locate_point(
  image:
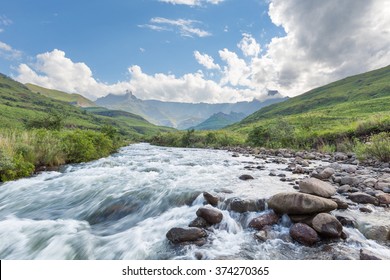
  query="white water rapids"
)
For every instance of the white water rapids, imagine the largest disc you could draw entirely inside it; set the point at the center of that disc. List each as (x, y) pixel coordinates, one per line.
(122, 206)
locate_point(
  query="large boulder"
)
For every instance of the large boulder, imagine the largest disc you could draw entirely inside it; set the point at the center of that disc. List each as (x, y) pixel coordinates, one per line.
(316, 187)
(327, 225)
(324, 174)
(304, 234)
(248, 205)
(179, 235)
(360, 197)
(377, 232)
(300, 203)
(211, 215)
(267, 219)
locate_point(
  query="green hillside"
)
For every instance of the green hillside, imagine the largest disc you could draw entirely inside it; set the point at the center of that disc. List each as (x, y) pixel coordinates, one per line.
(19, 107)
(356, 106)
(219, 120)
(72, 98)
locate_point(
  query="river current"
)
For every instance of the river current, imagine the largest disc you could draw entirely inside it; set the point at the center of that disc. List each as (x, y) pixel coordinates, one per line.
(121, 207)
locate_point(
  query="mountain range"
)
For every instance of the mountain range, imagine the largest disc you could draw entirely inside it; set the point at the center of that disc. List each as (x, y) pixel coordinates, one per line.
(182, 115)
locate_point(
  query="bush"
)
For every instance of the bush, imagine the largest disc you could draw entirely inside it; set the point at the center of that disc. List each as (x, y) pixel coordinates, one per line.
(379, 147)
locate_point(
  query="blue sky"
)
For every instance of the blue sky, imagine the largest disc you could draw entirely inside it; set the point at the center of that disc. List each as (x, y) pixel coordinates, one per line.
(191, 50)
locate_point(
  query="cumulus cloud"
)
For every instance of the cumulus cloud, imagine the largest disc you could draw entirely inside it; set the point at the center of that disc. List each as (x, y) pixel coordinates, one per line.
(9, 53)
(249, 46)
(185, 27)
(206, 60)
(192, 2)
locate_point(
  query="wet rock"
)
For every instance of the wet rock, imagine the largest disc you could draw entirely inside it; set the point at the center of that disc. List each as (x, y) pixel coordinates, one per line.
(235, 155)
(267, 219)
(179, 235)
(382, 185)
(341, 205)
(211, 199)
(363, 198)
(248, 205)
(199, 222)
(344, 235)
(317, 187)
(327, 225)
(365, 210)
(344, 189)
(223, 190)
(211, 215)
(305, 219)
(368, 255)
(262, 235)
(386, 190)
(384, 198)
(246, 177)
(376, 232)
(347, 222)
(340, 156)
(303, 234)
(300, 203)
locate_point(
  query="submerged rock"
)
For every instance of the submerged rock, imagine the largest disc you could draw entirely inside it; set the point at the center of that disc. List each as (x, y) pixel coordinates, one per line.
(246, 177)
(179, 235)
(300, 203)
(304, 234)
(327, 225)
(199, 222)
(317, 187)
(267, 219)
(211, 215)
(368, 255)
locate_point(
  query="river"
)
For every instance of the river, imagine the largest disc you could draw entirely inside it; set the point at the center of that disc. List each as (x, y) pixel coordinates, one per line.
(121, 207)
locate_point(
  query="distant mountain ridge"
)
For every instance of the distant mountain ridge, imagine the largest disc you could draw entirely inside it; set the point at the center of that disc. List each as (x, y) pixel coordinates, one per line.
(220, 120)
(181, 115)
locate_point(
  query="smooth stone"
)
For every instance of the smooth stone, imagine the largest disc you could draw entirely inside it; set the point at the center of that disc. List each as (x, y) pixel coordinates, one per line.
(246, 177)
(305, 219)
(303, 234)
(368, 255)
(341, 205)
(347, 222)
(350, 180)
(363, 198)
(248, 205)
(384, 198)
(300, 203)
(317, 187)
(211, 215)
(267, 219)
(211, 199)
(365, 210)
(327, 225)
(179, 235)
(381, 233)
(344, 189)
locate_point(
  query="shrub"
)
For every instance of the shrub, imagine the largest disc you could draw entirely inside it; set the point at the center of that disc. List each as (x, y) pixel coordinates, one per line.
(379, 147)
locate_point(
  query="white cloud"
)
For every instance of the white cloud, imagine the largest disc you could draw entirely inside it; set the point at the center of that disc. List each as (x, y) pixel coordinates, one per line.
(192, 2)
(185, 26)
(206, 60)
(249, 46)
(5, 21)
(236, 72)
(9, 53)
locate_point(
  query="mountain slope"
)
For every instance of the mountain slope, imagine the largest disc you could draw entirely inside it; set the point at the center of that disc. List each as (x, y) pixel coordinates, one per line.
(220, 120)
(72, 98)
(352, 107)
(19, 106)
(177, 114)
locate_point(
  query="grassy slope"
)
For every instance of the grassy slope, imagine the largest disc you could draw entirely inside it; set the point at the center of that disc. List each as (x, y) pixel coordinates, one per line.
(18, 105)
(75, 98)
(339, 108)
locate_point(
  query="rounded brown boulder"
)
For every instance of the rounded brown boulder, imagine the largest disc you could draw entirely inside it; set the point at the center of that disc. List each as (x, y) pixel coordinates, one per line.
(300, 203)
(211, 199)
(327, 225)
(304, 234)
(211, 215)
(317, 187)
(179, 235)
(264, 220)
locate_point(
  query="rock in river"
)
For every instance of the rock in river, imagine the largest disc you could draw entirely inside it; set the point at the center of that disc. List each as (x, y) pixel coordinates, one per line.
(211, 215)
(264, 220)
(300, 203)
(199, 223)
(327, 225)
(304, 234)
(248, 205)
(179, 235)
(363, 198)
(316, 187)
(246, 177)
(211, 199)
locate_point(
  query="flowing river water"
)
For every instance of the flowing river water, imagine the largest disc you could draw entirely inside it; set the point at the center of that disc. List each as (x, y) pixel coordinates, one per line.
(122, 206)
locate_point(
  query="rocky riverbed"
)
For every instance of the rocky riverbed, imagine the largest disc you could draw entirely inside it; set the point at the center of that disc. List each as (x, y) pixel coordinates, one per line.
(334, 194)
